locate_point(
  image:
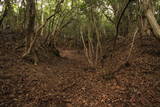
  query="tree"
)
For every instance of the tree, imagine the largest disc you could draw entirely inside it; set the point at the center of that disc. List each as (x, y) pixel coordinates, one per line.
(31, 13)
(149, 13)
(6, 6)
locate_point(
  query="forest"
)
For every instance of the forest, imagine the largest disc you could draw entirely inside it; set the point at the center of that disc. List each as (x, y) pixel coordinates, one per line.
(79, 53)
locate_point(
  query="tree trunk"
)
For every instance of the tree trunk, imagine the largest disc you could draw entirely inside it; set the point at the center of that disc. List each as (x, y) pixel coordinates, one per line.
(30, 22)
(6, 6)
(35, 44)
(117, 9)
(153, 22)
(148, 10)
(30, 29)
(31, 16)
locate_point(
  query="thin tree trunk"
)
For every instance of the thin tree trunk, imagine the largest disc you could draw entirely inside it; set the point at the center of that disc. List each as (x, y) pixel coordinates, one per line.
(5, 13)
(42, 16)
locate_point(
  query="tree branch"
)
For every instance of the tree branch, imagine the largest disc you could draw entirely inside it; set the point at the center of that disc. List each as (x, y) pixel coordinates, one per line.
(117, 26)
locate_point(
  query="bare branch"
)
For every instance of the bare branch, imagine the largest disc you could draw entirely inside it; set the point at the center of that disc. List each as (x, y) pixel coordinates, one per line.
(117, 26)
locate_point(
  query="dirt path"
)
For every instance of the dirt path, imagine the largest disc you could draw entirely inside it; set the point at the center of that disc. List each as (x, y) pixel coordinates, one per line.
(65, 82)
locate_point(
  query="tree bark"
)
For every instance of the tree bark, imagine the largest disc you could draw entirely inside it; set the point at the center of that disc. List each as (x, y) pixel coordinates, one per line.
(31, 16)
(30, 23)
(148, 10)
(153, 22)
(31, 13)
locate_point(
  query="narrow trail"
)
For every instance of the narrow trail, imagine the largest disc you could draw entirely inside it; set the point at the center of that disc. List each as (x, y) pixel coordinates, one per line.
(73, 54)
(64, 82)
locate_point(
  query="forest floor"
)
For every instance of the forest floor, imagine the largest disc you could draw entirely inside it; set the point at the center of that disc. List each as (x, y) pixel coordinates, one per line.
(70, 82)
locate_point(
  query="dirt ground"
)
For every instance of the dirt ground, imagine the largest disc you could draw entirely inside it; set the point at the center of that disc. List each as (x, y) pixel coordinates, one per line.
(70, 82)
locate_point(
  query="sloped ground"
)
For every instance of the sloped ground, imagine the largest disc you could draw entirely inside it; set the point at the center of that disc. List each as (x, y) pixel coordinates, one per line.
(70, 82)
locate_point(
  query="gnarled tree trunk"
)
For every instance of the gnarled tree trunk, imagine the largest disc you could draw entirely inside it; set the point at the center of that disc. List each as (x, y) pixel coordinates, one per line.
(151, 18)
(35, 43)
